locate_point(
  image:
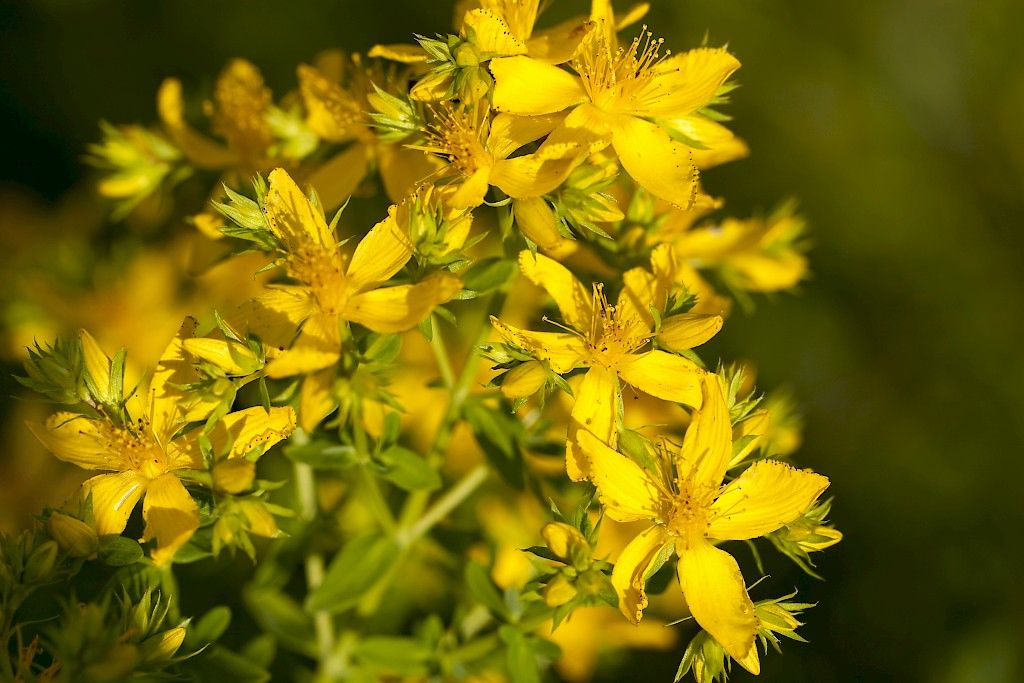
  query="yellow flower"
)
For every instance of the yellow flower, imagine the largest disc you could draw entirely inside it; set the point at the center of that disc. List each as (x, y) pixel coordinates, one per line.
(238, 112)
(690, 508)
(332, 289)
(641, 101)
(609, 341)
(338, 94)
(142, 453)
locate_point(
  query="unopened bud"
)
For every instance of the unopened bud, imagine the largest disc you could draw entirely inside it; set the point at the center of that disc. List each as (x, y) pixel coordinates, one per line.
(40, 563)
(74, 536)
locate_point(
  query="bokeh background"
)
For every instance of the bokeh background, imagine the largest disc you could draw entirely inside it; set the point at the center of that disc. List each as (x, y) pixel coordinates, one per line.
(899, 125)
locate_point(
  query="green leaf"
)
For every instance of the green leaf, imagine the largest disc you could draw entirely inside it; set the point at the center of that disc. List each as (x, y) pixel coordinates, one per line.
(210, 627)
(408, 470)
(261, 650)
(221, 664)
(352, 573)
(484, 590)
(280, 615)
(403, 656)
(520, 657)
(489, 274)
(496, 433)
(119, 551)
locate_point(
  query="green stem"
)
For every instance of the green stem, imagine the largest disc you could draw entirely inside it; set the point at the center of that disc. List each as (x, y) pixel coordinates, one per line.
(370, 485)
(444, 365)
(451, 500)
(305, 484)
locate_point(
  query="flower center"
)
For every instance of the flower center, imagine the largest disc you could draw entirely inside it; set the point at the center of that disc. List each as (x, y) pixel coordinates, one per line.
(324, 272)
(619, 80)
(611, 337)
(139, 450)
(459, 136)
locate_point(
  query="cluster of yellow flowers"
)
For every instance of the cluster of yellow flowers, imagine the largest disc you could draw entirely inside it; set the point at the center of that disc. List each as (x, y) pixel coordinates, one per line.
(563, 155)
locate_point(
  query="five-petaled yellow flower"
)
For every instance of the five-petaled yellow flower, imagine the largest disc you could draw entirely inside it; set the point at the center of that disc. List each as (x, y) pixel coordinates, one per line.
(143, 454)
(609, 341)
(333, 289)
(640, 100)
(690, 509)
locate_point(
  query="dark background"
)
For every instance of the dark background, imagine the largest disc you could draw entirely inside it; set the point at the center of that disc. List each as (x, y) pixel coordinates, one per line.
(898, 125)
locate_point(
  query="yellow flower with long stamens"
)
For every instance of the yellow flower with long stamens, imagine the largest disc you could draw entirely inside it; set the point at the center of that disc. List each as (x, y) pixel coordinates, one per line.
(609, 341)
(639, 99)
(332, 289)
(338, 93)
(691, 508)
(143, 450)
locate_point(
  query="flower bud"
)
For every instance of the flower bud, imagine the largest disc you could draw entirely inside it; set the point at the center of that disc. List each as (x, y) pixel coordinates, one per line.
(162, 646)
(567, 543)
(558, 591)
(74, 536)
(40, 563)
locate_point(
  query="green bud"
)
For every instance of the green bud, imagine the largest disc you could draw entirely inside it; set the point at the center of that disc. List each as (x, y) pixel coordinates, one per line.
(39, 566)
(74, 536)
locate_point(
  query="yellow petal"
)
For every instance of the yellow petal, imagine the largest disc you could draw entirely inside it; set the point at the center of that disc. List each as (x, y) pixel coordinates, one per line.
(626, 490)
(665, 375)
(251, 428)
(562, 351)
(200, 150)
(658, 163)
(113, 498)
(330, 111)
(292, 218)
(471, 192)
(595, 411)
(717, 597)
(491, 34)
(510, 132)
(381, 254)
(559, 43)
(574, 301)
(317, 347)
(171, 516)
(97, 363)
(402, 169)
(527, 86)
(229, 356)
(769, 272)
(533, 175)
(234, 476)
(755, 426)
(399, 52)
(721, 144)
(640, 293)
(170, 405)
(687, 330)
(275, 316)
(537, 221)
(78, 440)
(686, 82)
(768, 495)
(336, 179)
(632, 568)
(707, 445)
(396, 309)
(523, 381)
(316, 400)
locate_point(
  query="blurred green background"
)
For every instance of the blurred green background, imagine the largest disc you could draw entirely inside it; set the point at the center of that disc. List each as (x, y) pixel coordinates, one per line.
(899, 126)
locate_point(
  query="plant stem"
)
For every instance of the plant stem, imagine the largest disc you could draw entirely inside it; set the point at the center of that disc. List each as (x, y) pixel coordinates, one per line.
(305, 484)
(444, 365)
(369, 481)
(451, 500)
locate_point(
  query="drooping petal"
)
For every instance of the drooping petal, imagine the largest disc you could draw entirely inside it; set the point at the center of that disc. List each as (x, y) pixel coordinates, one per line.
(317, 347)
(768, 495)
(658, 163)
(379, 255)
(687, 81)
(316, 400)
(537, 221)
(574, 301)
(687, 330)
(632, 570)
(665, 375)
(248, 429)
(596, 411)
(336, 179)
(396, 309)
(399, 52)
(707, 444)
(528, 86)
(561, 350)
(292, 218)
(171, 516)
(169, 404)
(470, 193)
(491, 35)
(78, 440)
(720, 144)
(113, 498)
(627, 491)
(717, 597)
